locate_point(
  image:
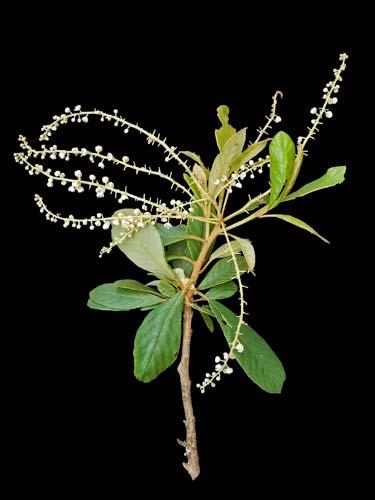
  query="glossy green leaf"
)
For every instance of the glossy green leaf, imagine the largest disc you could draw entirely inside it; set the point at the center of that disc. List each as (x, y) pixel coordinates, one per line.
(223, 291)
(166, 289)
(109, 295)
(223, 161)
(196, 228)
(333, 176)
(298, 223)
(248, 154)
(247, 251)
(258, 360)
(144, 248)
(282, 156)
(134, 285)
(157, 342)
(171, 235)
(226, 130)
(203, 309)
(93, 305)
(222, 271)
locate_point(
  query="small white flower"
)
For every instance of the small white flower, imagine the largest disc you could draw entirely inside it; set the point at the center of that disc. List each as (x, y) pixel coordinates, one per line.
(239, 347)
(78, 173)
(67, 110)
(98, 149)
(85, 119)
(329, 114)
(125, 159)
(92, 177)
(101, 164)
(76, 108)
(277, 119)
(110, 156)
(105, 180)
(313, 111)
(217, 359)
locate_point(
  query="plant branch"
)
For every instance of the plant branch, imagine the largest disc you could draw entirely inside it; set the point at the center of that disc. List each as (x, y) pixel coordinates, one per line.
(190, 442)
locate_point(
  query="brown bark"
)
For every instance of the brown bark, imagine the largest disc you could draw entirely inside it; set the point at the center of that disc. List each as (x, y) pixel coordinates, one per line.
(190, 442)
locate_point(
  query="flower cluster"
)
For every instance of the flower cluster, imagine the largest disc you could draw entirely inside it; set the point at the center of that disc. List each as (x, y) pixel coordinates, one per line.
(221, 367)
(329, 98)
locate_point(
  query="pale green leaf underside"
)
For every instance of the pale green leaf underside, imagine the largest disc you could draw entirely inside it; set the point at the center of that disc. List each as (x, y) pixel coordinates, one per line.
(258, 360)
(247, 251)
(113, 297)
(94, 305)
(224, 251)
(222, 271)
(282, 155)
(333, 176)
(145, 249)
(157, 342)
(297, 222)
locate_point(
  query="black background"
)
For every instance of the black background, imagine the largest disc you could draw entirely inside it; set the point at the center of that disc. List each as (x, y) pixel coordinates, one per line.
(78, 419)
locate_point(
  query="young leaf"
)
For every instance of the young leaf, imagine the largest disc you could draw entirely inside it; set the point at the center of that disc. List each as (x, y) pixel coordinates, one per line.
(196, 158)
(166, 289)
(172, 234)
(223, 251)
(193, 186)
(333, 176)
(134, 285)
(93, 305)
(248, 252)
(257, 360)
(113, 297)
(282, 155)
(196, 228)
(222, 271)
(221, 165)
(248, 154)
(208, 321)
(203, 309)
(223, 291)
(298, 223)
(225, 131)
(144, 248)
(157, 341)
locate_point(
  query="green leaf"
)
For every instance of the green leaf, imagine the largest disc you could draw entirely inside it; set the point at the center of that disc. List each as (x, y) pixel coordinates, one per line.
(225, 131)
(208, 321)
(144, 248)
(203, 309)
(158, 339)
(180, 248)
(196, 228)
(248, 154)
(298, 223)
(166, 289)
(224, 251)
(193, 186)
(223, 291)
(172, 234)
(134, 285)
(93, 305)
(333, 176)
(258, 360)
(223, 161)
(196, 158)
(282, 155)
(222, 271)
(247, 251)
(113, 297)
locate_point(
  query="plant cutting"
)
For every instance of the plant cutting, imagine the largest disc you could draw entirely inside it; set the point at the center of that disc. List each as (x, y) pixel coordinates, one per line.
(187, 243)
